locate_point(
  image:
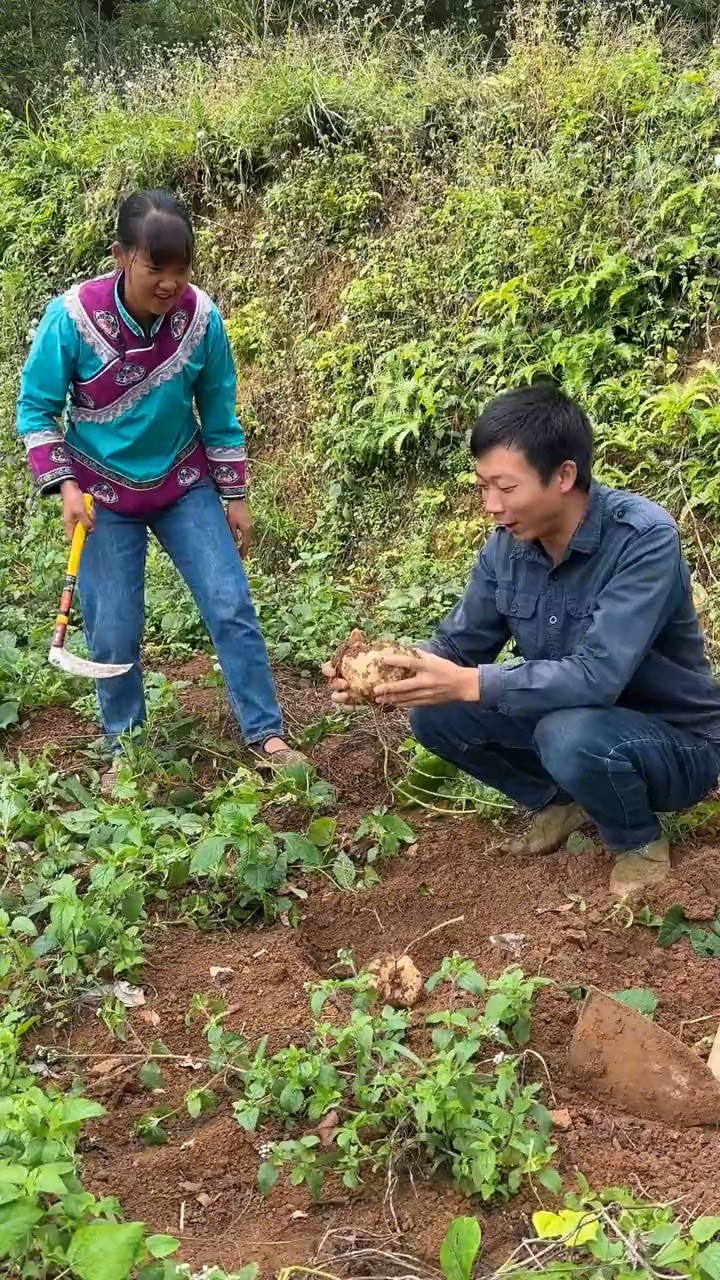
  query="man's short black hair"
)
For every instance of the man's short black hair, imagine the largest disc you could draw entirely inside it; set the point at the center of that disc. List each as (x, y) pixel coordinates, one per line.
(542, 423)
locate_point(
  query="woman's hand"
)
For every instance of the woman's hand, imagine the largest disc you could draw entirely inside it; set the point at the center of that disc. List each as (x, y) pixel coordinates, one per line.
(74, 511)
(240, 521)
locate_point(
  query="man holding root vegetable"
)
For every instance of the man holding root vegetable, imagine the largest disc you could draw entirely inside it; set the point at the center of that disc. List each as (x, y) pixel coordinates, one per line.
(608, 712)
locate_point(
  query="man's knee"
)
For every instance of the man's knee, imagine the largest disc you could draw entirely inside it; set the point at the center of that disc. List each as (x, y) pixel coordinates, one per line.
(457, 727)
(427, 725)
(563, 738)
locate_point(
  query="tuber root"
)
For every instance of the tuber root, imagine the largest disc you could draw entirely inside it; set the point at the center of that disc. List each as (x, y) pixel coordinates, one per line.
(363, 665)
(397, 980)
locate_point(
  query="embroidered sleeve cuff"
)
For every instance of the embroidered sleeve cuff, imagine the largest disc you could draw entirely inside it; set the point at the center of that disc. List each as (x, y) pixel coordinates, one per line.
(228, 470)
(49, 460)
(491, 684)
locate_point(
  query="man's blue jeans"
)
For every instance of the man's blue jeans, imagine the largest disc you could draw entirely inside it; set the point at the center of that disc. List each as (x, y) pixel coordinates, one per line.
(623, 767)
(195, 533)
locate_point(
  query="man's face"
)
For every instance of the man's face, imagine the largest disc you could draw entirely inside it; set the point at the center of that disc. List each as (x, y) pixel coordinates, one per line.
(514, 494)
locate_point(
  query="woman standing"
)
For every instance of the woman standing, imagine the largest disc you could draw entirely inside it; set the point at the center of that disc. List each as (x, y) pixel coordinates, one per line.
(126, 359)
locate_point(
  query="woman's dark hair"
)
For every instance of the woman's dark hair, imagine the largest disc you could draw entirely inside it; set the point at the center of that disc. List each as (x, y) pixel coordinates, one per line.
(544, 424)
(157, 223)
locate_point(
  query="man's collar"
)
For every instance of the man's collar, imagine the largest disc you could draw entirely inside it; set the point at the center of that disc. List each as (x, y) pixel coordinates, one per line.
(586, 537)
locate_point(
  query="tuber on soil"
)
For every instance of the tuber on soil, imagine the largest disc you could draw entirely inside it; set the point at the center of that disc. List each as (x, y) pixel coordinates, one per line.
(363, 665)
(396, 980)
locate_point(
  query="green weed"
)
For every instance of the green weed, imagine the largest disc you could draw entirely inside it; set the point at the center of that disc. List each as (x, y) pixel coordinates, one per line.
(463, 1107)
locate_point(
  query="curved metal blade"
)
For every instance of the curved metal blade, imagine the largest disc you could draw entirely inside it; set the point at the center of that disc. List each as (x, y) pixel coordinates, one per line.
(74, 666)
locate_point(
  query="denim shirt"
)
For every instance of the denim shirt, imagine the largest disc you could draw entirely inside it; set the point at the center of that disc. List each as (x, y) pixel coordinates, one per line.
(612, 623)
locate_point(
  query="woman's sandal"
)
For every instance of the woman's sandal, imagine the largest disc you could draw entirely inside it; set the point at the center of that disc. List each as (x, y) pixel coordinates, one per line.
(282, 758)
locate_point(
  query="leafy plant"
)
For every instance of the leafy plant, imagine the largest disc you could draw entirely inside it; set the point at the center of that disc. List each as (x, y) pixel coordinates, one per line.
(618, 1230)
(674, 925)
(385, 833)
(458, 1108)
(507, 1011)
(460, 1248)
(640, 998)
(435, 784)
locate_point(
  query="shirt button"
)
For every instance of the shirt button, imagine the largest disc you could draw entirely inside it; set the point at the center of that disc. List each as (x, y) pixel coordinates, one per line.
(552, 619)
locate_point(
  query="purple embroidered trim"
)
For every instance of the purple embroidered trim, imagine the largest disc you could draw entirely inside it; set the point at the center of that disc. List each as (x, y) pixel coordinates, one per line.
(178, 324)
(49, 460)
(128, 374)
(142, 500)
(228, 470)
(108, 324)
(129, 371)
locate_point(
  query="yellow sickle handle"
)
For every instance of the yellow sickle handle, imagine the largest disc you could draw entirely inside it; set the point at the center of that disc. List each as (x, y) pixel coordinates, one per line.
(78, 541)
(76, 550)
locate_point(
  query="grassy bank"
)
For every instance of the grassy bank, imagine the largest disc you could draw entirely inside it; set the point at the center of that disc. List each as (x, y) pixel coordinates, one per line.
(395, 230)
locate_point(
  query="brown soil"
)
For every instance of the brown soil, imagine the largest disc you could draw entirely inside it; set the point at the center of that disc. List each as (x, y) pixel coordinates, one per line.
(570, 931)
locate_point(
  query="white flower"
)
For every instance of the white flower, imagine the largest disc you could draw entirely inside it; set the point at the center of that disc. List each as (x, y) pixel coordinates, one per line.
(499, 1057)
(717, 159)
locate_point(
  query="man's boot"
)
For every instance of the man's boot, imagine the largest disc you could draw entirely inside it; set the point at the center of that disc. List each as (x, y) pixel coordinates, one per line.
(548, 830)
(639, 868)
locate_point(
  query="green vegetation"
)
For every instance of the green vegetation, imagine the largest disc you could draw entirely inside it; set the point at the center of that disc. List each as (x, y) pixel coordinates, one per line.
(83, 879)
(394, 231)
(381, 1104)
(396, 224)
(704, 936)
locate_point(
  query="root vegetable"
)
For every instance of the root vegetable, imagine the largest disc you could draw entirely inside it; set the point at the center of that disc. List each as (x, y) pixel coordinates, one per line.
(364, 665)
(397, 980)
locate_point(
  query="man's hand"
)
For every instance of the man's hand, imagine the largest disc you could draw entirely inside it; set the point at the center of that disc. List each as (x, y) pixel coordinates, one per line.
(435, 682)
(74, 510)
(240, 521)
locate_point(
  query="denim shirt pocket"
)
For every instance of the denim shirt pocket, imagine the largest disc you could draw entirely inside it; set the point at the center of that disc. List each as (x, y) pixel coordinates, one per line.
(579, 616)
(520, 608)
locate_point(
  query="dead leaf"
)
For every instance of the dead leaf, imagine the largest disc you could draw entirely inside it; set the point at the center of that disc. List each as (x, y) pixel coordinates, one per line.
(204, 1199)
(191, 1064)
(258, 954)
(328, 1127)
(104, 1067)
(131, 997)
(294, 890)
(562, 1118)
(508, 941)
(411, 850)
(298, 1213)
(151, 1017)
(191, 1187)
(221, 973)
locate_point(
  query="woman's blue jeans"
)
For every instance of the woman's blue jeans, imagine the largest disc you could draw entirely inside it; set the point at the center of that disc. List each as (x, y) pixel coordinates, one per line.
(195, 533)
(623, 767)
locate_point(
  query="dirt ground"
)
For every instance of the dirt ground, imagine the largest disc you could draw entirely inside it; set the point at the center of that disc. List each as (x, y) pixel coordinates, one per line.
(205, 1176)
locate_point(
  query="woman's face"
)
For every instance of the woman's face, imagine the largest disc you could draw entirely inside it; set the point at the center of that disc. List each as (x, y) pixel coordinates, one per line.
(150, 289)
